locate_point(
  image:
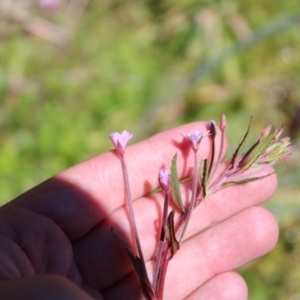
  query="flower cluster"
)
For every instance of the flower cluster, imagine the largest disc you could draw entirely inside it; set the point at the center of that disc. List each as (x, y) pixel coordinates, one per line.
(267, 150)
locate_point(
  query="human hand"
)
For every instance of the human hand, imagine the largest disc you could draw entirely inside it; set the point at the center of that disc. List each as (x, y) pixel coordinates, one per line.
(56, 240)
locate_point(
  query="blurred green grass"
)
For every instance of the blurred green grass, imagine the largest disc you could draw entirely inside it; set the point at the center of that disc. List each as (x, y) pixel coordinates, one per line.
(149, 65)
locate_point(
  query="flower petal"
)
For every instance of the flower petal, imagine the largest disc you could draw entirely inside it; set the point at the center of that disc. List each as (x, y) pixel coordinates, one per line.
(120, 140)
(195, 137)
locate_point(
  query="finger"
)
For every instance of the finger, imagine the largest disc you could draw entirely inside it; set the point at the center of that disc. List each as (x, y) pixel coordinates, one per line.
(226, 286)
(80, 197)
(231, 200)
(222, 248)
(214, 209)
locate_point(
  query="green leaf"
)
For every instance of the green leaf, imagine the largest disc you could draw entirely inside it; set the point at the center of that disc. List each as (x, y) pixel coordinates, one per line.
(173, 243)
(240, 146)
(255, 151)
(175, 185)
(230, 183)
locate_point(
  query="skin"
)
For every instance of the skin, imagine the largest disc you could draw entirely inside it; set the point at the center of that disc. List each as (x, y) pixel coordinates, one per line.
(56, 240)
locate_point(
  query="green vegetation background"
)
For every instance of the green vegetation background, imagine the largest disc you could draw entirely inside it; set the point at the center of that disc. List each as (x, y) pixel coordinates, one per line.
(149, 65)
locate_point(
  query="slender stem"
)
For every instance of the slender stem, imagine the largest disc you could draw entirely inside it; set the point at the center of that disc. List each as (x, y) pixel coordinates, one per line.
(161, 242)
(162, 273)
(131, 214)
(193, 196)
(166, 256)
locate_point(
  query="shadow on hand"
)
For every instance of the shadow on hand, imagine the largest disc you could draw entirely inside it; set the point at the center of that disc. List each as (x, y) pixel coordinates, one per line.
(63, 229)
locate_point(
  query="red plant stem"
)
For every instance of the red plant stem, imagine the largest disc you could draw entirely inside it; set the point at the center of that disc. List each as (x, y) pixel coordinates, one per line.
(166, 256)
(193, 196)
(184, 219)
(162, 273)
(161, 241)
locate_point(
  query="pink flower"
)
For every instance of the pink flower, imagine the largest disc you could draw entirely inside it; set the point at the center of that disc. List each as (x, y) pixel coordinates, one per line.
(163, 178)
(195, 137)
(120, 140)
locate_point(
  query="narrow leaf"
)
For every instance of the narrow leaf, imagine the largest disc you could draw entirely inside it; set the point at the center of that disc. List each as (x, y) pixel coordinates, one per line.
(255, 151)
(230, 183)
(235, 154)
(204, 178)
(139, 268)
(173, 243)
(175, 185)
(213, 133)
